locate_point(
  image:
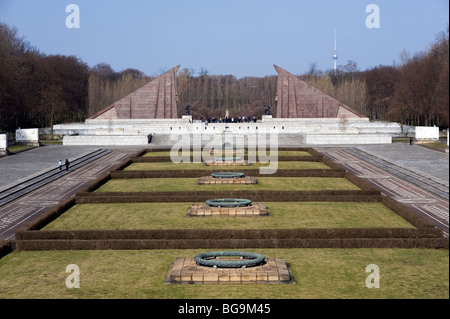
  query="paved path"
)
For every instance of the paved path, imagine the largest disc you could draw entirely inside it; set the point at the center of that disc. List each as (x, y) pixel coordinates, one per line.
(430, 203)
(14, 168)
(432, 165)
(19, 212)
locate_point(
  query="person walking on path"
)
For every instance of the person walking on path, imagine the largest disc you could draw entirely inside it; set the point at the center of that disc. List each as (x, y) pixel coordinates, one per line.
(410, 141)
(60, 164)
(67, 164)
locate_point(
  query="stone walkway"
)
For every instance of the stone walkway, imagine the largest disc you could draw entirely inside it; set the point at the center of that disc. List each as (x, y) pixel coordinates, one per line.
(409, 190)
(19, 212)
(432, 164)
(16, 167)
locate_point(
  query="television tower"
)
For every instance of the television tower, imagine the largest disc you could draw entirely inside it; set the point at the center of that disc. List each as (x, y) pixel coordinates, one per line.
(335, 56)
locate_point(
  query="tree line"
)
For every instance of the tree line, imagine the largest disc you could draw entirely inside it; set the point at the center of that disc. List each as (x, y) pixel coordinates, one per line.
(39, 90)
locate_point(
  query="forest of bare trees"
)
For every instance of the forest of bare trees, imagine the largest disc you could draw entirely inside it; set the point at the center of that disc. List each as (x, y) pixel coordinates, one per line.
(38, 90)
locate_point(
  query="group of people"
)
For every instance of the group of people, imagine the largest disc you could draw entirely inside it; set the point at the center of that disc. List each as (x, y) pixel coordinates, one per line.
(67, 163)
(243, 119)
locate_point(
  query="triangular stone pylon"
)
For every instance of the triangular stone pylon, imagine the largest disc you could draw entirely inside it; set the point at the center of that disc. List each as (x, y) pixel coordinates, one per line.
(155, 100)
(297, 99)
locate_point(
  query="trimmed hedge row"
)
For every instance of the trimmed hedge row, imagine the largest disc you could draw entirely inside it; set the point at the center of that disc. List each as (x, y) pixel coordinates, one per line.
(96, 184)
(248, 172)
(360, 183)
(315, 155)
(406, 213)
(261, 196)
(122, 166)
(425, 235)
(49, 216)
(154, 159)
(310, 150)
(424, 243)
(6, 247)
(188, 234)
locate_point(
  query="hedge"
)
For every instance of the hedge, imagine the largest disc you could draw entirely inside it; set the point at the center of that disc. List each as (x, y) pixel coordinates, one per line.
(154, 159)
(188, 234)
(406, 213)
(6, 247)
(428, 243)
(249, 172)
(425, 235)
(256, 196)
(49, 215)
(96, 184)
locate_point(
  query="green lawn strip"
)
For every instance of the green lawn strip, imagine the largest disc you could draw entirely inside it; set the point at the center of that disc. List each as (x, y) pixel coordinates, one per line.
(20, 148)
(173, 216)
(196, 166)
(264, 183)
(257, 153)
(435, 146)
(140, 274)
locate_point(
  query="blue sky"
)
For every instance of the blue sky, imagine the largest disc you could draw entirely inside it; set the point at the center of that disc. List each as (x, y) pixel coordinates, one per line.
(239, 37)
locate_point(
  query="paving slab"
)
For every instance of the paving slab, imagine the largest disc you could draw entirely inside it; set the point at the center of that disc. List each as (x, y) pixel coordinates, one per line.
(23, 210)
(16, 167)
(413, 157)
(411, 193)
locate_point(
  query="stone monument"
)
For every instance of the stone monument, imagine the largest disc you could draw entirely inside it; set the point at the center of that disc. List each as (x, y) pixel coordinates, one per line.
(446, 149)
(27, 136)
(187, 110)
(304, 116)
(155, 100)
(426, 134)
(3, 144)
(297, 99)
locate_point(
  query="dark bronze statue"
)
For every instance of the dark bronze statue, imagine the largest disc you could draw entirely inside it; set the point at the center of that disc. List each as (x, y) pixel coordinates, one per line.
(187, 110)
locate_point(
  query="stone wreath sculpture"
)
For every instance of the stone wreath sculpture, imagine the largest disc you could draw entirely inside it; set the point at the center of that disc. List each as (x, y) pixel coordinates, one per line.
(228, 202)
(227, 158)
(227, 175)
(211, 259)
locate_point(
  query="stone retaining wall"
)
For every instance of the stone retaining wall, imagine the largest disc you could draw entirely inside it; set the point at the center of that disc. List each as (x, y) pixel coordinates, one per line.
(203, 210)
(209, 180)
(186, 271)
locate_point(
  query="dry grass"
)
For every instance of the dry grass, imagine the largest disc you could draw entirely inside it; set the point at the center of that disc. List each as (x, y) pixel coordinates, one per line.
(264, 183)
(200, 166)
(173, 216)
(257, 153)
(319, 273)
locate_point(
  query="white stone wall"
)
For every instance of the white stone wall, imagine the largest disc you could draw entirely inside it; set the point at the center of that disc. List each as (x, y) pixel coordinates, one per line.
(427, 133)
(318, 131)
(123, 127)
(331, 139)
(27, 136)
(105, 140)
(3, 142)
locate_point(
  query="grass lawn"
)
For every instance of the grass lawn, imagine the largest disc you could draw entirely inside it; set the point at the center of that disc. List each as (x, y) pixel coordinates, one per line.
(173, 216)
(19, 148)
(258, 153)
(200, 166)
(190, 184)
(319, 273)
(436, 146)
